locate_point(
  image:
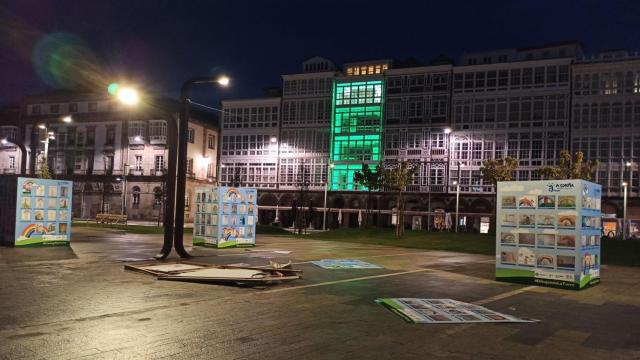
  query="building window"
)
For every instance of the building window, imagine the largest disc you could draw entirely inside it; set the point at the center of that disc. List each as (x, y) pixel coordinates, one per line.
(54, 108)
(73, 108)
(211, 141)
(93, 106)
(157, 132)
(12, 162)
(190, 166)
(157, 196)
(111, 135)
(138, 163)
(108, 164)
(159, 163)
(191, 135)
(136, 197)
(136, 131)
(210, 170)
(35, 109)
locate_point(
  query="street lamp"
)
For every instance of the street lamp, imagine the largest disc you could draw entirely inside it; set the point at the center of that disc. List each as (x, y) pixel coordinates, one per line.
(326, 187)
(179, 182)
(457, 184)
(624, 211)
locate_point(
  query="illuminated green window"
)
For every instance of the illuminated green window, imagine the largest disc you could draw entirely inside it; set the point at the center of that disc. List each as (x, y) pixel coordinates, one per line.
(356, 130)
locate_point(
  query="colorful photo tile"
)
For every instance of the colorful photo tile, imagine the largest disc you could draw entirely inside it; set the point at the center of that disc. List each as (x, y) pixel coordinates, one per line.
(251, 198)
(39, 203)
(566, 202)
(567, 241)
(545, 261)
(508, 202)
(25, 215)
(52, 203)
(526, 257)
(53, 190)
(567, 221)
(566, 261)
(62, 228)
(63, 215)
(546, 201)
(250, 220)
(508, 257)
(527, 202)
(507, 238)
(509, 219)
(27, 187)
(526, 220)
(39, 190)
(51, 228)
(525, 239)
(64, 191)
(51, 215)
(26, 203)
(38, 215)
(546, 240)
(64, 203)
(545, 221)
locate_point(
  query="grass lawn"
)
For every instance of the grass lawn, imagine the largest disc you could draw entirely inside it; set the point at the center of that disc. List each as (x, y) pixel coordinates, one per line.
(462, 242)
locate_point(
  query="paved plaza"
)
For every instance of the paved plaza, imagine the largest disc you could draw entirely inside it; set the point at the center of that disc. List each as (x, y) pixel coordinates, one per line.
(63, 303)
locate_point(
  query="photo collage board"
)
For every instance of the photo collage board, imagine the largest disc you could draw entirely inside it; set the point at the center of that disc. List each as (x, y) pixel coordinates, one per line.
(43, 212)
(225, 216)
(548, 232)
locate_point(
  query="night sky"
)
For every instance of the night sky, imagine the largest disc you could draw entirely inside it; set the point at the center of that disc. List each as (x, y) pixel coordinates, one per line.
(158, 44)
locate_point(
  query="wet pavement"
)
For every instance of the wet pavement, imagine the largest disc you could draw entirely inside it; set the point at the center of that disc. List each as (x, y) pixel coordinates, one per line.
(64, 303)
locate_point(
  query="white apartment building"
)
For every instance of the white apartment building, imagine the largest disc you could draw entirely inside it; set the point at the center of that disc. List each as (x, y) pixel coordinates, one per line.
(116, 155)
(606, 119)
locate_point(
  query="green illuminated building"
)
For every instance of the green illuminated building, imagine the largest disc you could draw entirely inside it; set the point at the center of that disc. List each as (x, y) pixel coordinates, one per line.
(356, 129)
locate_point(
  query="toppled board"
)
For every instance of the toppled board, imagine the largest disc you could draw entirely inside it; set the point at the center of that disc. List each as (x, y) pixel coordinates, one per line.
(208, 273)
(345, 264)
(445, 311)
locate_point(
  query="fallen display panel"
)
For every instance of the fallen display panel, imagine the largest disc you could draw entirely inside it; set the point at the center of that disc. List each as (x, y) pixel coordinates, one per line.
(345, 264)
(207, 273)
(444, 311)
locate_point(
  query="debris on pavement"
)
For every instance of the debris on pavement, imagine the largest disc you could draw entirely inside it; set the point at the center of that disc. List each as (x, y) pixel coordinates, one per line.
(445, 311)
(345, 264)
(208, 273)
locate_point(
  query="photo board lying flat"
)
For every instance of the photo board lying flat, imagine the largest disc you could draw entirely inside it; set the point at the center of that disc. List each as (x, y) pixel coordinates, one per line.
(548, 233)
(225, 216)
(35, 212)
(444, 311)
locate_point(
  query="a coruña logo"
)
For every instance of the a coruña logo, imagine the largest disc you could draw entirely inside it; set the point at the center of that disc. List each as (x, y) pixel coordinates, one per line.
(556, 187)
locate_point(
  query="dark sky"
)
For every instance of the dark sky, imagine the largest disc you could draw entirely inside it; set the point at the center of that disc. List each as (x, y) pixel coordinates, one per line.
(158, 43)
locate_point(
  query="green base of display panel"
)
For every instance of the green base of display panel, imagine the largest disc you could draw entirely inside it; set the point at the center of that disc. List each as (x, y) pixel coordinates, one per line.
(41, 243)
(199, 242)
(526, 277)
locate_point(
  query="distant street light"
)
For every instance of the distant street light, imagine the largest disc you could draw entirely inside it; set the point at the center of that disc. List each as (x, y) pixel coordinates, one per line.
(457, 184)
(624, 211)
(67, 119)
(326, 187)
(128, 96)
(447, 131)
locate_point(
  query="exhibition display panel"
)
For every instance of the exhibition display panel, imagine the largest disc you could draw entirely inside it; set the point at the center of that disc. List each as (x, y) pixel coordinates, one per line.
(225, 216)
(36, 212)
(548, 233)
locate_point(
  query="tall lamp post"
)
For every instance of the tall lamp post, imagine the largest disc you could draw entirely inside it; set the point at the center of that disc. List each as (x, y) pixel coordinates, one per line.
(624, 211)
(457, 184)
(326, 187)
(181, 178)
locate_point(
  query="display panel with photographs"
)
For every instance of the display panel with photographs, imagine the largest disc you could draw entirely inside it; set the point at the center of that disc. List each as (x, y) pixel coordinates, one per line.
(552, 234)
(228, 214)
(42, 213)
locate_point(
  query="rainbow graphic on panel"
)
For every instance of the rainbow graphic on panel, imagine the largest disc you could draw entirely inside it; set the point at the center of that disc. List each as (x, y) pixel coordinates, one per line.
(29, 231)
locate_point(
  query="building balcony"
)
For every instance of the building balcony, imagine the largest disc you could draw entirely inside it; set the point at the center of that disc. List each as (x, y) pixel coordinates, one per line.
(438, 152)
(136, 172)
(157, 140)
(10, 171)
(159, 172)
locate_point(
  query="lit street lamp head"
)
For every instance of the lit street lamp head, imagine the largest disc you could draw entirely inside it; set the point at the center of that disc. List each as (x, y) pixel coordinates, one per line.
(274, 140)
(67, 119)
(128, 96)
(447, 131)
(4, 141)
(137, 138)
(628, 163)
(224, 80)
(42, 126)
